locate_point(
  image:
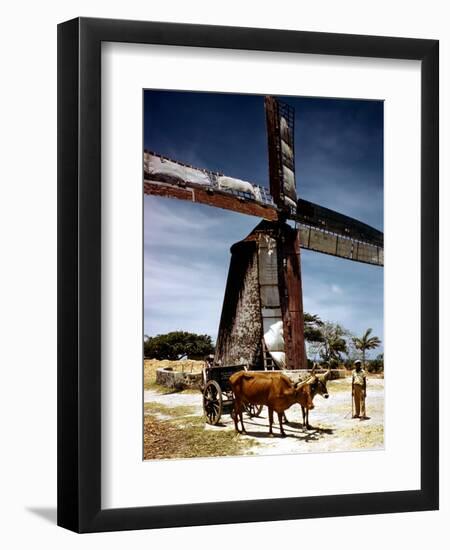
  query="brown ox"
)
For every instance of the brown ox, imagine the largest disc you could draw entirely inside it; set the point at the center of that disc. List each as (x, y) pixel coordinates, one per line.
(318, 386)
(276, 391)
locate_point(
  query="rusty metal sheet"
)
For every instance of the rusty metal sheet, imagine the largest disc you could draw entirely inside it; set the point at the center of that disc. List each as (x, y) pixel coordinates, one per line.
(274, 312)
(268, 263)
(270, 296)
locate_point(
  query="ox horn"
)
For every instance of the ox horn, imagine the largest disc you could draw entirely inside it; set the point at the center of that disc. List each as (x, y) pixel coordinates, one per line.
(325, 376)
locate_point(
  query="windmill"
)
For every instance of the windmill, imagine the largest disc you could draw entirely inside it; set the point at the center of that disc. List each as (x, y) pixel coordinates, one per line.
(262, 315)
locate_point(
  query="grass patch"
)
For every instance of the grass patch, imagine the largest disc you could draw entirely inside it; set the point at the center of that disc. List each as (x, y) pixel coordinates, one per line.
(163, 390)
(183, 435)
(160, 408)
(187, 438)
(150, 375)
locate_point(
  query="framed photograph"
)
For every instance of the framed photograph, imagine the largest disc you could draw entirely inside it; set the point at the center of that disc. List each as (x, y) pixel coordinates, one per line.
(247, 275)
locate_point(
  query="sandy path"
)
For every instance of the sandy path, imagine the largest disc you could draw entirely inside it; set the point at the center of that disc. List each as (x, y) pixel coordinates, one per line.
(333, 429)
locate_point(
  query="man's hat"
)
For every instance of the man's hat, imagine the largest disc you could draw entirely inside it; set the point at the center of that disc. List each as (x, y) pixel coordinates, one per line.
(357, 362)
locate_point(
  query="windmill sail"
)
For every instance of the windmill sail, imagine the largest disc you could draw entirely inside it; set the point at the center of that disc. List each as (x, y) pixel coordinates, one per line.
(280, 134)
(169, 178)
(321, 229)
(330, 232)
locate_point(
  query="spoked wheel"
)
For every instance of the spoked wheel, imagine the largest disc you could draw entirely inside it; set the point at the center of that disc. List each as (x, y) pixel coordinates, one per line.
(212, 402)
(253, 410)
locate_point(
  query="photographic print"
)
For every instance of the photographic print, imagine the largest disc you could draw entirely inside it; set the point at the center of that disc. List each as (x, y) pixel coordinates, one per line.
(263, 275)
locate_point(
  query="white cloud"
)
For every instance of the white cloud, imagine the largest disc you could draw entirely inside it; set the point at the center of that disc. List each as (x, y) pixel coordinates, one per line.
(186, 259)
(336, 289)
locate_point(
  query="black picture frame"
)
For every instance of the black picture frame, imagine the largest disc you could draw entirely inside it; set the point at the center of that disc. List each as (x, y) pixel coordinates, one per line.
(79, 274)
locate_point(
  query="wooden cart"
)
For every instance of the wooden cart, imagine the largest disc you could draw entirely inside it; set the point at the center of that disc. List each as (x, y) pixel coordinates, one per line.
(217, 394)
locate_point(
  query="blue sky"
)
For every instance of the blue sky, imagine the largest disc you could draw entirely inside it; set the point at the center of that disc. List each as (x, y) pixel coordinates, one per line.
(339, 164)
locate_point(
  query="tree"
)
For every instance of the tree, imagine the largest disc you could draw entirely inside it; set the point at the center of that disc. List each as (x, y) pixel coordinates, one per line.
(377, 364)
(312, 328)
(175, 345)
(333, 342)
(366, 342)
(312, 332)
(325, 339)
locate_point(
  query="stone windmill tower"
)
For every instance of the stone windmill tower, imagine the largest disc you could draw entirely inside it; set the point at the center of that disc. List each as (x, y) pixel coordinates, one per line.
(262, 315)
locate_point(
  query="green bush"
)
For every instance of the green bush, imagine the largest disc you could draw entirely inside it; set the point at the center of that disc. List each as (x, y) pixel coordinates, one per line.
(175, 345)
(376, 365)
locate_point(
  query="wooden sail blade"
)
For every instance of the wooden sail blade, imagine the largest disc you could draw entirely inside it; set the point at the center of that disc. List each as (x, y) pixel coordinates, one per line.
(312, 214)
(167, 178)
(280, 136)
(330, 232)
(313, 238)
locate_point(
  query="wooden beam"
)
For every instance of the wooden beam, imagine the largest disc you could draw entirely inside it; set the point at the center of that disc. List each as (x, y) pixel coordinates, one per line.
(218, 199)
(291, 296)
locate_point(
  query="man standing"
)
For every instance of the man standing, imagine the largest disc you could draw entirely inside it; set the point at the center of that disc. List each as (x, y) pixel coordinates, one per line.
(359, 391)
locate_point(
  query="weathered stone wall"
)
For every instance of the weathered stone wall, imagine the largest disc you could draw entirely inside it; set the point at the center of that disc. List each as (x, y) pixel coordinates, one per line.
(240, 330)
(248, 326)
(178, 380)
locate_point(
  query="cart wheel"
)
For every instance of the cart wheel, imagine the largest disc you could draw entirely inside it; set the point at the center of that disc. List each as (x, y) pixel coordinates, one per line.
(212, 402)
(253, 410)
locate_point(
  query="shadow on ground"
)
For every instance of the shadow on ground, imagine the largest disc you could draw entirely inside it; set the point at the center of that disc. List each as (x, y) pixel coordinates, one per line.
(48, 514)
(294, 430)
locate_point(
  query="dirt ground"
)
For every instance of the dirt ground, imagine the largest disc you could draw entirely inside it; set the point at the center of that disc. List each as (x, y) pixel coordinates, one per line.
(333, 428)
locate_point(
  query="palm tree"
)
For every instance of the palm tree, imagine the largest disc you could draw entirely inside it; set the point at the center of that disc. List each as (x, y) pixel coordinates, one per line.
(366, 342)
